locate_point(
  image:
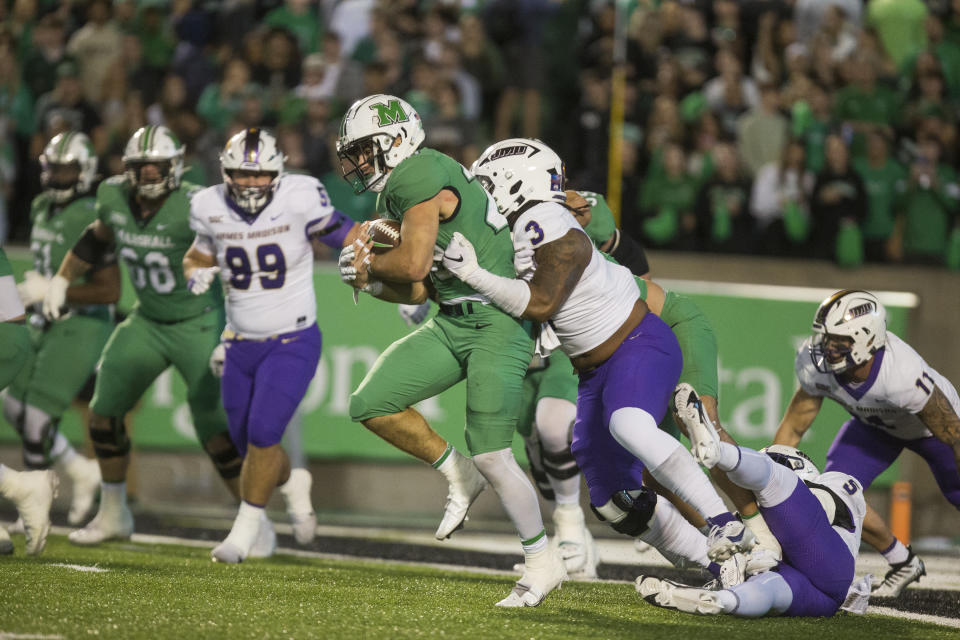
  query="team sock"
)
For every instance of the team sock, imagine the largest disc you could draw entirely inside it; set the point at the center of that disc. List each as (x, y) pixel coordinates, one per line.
(896, 552)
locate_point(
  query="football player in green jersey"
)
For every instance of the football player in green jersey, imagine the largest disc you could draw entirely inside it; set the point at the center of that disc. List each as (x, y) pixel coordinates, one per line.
(143, 215)
(31, 491)
(63, 353)
(433, 196)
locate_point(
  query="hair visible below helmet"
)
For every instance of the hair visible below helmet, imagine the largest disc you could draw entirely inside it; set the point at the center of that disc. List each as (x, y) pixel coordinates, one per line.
(793, 459)
(70, 148)
(853, 314)
(377, 133)
(518, 171)
(154, 144)
(252, 150)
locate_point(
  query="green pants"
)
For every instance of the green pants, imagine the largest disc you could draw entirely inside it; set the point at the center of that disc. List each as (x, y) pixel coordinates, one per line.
(486, 347)
(556, 380)
(140, 350)
(61, 360)
(13, 354)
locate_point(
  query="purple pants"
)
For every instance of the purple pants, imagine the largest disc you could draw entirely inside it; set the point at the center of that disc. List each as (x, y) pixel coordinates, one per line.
(816, 564)
(263, 382)
(864, 452)
(642, 373)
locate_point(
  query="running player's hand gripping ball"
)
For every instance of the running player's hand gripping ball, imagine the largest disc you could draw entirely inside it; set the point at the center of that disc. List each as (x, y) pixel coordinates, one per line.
(385, 235)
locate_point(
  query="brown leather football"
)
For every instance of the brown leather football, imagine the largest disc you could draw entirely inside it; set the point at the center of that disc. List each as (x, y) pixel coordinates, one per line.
(385, 234)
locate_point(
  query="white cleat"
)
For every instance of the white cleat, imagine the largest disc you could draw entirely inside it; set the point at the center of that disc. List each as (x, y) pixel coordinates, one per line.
(296, 494)
(668, 594)
(544, 572)
(227, 553)
(733, 537)
(574, 542)
(733, 571)
(16, 529)
(899, 576)
(266, 543)
(704, 439)
(33, 494)
(6, 544)
(104, 527)
(465, 485)
(85, 474)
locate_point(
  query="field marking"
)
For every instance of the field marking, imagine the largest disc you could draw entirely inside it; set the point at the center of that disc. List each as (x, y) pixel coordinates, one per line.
(5, 635)
(919, 617)
(79, 567)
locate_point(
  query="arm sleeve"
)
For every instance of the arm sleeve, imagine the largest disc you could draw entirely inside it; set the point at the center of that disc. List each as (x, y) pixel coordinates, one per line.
(630, 254)
(324, 222)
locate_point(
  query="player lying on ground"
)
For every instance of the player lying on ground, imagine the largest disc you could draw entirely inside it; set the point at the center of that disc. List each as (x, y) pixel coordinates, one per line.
(895, 400)
(143, 217)
(260, 230)
(816, 517)
(32, 492)
(627, 358)
(434, 196)
(64, 352)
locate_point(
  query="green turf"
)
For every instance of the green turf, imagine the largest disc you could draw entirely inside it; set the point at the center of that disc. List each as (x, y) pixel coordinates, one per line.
(168, 591)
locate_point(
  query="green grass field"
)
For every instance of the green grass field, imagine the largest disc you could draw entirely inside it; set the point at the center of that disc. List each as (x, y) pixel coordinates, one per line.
(170, 591)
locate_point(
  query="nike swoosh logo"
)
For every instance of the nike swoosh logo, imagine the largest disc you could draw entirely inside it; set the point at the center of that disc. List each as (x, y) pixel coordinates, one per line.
(451, 259)
(482, 325)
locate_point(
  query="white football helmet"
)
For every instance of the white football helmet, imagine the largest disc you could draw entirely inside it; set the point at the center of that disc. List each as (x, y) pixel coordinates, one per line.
(793, 459)
(848, 328)
(377, 133)
(253, 150)
(74, 151)
(520, 170)
(154, 144)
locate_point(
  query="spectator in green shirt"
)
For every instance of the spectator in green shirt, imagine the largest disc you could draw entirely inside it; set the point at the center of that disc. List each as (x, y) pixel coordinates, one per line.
(300, 18)
(864, 103)
(667, 200)
(885, 181)
(220, 102)
(929, 209)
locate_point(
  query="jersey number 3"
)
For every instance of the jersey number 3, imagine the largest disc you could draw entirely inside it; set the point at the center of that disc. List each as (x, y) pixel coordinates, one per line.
(270, 262)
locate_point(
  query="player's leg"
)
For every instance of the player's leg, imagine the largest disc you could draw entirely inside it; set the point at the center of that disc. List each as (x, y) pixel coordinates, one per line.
(64, 359)
(131, 361)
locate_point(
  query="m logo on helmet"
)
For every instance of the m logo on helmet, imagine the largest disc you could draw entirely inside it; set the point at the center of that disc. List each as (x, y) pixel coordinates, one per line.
(390, 113)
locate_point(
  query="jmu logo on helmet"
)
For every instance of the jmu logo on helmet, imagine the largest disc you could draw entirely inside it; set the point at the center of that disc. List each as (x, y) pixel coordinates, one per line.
(390, 113)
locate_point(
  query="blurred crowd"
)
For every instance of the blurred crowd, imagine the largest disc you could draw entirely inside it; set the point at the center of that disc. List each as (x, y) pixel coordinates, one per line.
(817, 128)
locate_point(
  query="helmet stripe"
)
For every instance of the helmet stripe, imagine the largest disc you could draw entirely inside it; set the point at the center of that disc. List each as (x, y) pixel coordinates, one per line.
(251, 145)
(64, 142)
(828, 304)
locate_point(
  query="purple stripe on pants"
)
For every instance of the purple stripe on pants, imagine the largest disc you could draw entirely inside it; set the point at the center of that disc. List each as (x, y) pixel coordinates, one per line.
(817, 564)
(642, 373)
(865, 452)
(263, 382)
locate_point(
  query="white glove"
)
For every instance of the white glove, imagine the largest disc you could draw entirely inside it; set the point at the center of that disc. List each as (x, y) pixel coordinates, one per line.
(33, 288)
(523, 261)
(55, 297)
(217, 358)
(348, 273)
(460, 259)
(201, 279)
(414, 314)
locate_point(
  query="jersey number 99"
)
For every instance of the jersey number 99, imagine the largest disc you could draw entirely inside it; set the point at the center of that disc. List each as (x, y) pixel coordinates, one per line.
(271, 265)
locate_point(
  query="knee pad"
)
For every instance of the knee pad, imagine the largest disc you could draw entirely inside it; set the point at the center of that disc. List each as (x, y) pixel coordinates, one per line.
(628, 512)
(39, 431)
(534, 451)
(110, 441)
(224, 455)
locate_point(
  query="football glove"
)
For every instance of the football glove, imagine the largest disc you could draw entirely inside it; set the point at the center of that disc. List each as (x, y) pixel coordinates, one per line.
(414, 314)
(460, 258)
(217, 358)
(33, 288)
(201, 280)
(55, 297)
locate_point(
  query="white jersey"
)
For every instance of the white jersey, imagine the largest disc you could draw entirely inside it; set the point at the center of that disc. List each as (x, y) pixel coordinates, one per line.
(600, 302)
(841, 497)
(266, 261)
(899, 386)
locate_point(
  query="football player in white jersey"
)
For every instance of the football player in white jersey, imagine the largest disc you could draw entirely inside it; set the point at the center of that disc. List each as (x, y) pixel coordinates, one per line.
(259, 230)
(895, 400)
(627, 358)
(817, 518)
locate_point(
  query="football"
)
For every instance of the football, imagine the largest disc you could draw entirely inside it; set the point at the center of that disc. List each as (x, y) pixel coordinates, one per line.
(385, 234)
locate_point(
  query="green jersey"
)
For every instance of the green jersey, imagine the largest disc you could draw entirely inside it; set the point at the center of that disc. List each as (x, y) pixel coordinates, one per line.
(153, 251)
(885, 188)
(422, 176)
(601, 225)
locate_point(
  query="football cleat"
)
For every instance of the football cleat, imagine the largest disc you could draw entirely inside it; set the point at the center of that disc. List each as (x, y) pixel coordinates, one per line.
(85, 475)
(104, 527)
(704, 439)
(33, 493)
(6, 544)
(543, 572)
(733, 571)
(266, 543)
(466, 483)
(574, 542)
(668, 594)
(899, 576)
(296, 494)
(227, 553)
(16, 529)
(727, 539)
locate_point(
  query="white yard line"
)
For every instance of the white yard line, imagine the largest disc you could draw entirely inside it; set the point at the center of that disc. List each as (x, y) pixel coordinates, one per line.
(919, 617)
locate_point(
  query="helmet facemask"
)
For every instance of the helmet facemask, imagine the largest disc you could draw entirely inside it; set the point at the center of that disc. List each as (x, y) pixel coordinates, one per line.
(252, 199)
(60, 179)
(363, 162)
(832, 353)
(156, 188)
(848, 329)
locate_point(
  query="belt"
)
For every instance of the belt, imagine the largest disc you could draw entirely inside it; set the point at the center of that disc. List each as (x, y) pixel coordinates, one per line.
(458, 309)
(230, 335)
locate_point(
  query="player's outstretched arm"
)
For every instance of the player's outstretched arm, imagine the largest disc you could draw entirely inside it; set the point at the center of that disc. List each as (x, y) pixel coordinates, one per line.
(938, 415)
(801, 412)
(559, 266)
(90, 249)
